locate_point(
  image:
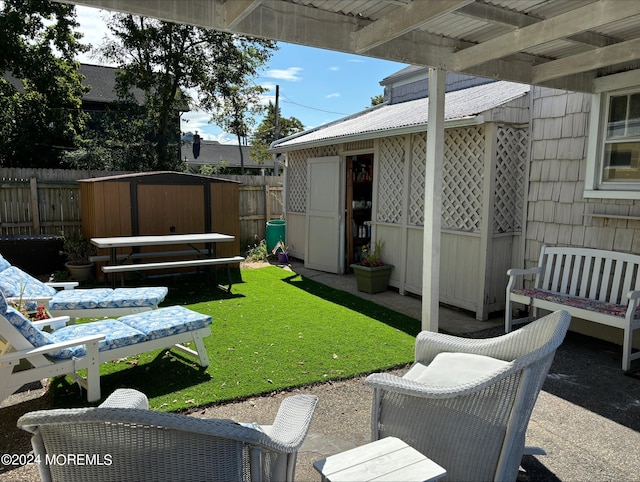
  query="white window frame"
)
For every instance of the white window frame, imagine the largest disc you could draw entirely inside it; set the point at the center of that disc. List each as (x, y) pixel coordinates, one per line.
(604, 88)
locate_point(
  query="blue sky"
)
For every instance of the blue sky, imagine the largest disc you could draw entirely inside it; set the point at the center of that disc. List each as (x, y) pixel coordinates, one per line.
(316, 86)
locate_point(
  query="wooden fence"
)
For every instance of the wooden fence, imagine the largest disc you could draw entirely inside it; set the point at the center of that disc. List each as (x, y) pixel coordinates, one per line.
(47, 201)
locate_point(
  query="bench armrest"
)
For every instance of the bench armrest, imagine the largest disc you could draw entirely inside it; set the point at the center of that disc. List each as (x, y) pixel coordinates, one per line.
(515, 272)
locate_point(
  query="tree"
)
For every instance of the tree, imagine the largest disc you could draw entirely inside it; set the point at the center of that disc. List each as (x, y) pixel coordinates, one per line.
(40, 93)
(265, 133)
(235, 111)
(162, 62)
(377, 100)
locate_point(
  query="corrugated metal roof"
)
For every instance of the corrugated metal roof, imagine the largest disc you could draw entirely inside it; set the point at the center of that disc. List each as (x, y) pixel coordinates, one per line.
(461, 104)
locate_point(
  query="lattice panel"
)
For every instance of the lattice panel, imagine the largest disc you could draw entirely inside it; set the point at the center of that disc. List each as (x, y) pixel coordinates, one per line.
(297, 181)
(297, 175)
(416, 184)
(510, 169)
(390, 180)
(462, 179)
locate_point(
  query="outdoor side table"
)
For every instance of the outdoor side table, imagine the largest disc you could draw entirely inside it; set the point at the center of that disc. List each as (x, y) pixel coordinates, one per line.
(387, 459)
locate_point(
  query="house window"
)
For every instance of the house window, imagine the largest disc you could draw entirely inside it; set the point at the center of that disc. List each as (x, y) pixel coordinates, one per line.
(614, 138)
(621, 158)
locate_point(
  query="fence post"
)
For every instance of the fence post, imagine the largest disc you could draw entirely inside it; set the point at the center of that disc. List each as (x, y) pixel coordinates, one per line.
(35, 210)
(267, 204)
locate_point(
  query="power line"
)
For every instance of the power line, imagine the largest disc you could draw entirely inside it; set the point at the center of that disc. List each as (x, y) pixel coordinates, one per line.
(312, 108)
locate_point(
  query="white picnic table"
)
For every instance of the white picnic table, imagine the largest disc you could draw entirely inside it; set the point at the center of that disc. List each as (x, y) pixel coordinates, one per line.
(209, 239)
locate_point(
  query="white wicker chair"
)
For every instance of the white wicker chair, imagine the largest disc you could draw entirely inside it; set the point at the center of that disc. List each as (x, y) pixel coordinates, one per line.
(466, 403)
(129, 442)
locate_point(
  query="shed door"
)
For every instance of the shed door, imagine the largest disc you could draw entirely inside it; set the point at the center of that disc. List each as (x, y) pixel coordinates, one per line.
(324, 219)
(170, 209)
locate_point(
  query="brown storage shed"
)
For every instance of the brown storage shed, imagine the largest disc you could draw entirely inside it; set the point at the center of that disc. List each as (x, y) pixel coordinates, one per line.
(161, 203)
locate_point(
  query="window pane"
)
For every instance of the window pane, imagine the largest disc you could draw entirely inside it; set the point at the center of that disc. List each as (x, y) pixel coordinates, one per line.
(617, 116)
(633, 123)
(622, 162)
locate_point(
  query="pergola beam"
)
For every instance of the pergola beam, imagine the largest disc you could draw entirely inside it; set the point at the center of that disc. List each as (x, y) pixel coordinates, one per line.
(236, 10)
(595, 59)
(402, 21)
(559, 27)
(509, 18)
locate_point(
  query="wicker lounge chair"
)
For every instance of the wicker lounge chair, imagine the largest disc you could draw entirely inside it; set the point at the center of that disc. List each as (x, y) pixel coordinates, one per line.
(29, 354)
(466, 403)
(129, 442)
(77, 303)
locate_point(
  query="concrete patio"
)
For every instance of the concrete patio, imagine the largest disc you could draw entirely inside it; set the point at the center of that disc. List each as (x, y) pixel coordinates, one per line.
(587, 417)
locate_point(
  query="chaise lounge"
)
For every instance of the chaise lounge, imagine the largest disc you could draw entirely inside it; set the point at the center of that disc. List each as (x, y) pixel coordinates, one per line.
(29, 354)
(77, 303)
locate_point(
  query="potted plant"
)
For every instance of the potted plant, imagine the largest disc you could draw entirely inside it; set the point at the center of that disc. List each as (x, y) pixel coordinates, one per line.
(372, 274)
(77, 251)
(282, 250)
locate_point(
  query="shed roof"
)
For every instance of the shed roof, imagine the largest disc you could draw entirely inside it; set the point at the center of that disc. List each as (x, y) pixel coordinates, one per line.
(161, 177)
(411, 116)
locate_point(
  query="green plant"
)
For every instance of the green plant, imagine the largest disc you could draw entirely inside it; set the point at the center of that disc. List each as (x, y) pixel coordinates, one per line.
(257, 252)
(372, 256)
(22, 306)
(280, 246)
(77, 250)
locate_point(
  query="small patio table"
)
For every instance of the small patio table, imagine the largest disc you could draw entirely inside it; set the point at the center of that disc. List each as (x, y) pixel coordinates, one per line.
(387, 459)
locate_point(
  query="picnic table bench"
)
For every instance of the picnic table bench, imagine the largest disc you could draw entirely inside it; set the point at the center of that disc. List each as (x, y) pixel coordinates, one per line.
(592, 284)
(164, 240)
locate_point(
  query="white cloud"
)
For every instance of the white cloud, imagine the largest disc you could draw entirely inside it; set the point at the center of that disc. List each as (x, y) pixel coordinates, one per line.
(291, 74)
(332, 96)
(334, 69)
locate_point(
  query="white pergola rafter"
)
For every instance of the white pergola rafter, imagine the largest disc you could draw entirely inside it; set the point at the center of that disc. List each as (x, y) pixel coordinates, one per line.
(602, 57)
(559, 27)
(513, 19)
(402, 21)
(236, 11)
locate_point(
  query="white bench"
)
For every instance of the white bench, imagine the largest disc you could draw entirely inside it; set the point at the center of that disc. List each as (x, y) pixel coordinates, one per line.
(595, 285)
(190, 263)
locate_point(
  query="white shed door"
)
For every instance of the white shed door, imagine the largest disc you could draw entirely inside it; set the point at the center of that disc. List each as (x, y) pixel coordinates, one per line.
(323, 215)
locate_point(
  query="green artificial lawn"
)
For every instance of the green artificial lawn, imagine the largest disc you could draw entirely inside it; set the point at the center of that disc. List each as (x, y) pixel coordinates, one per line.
(277, 330)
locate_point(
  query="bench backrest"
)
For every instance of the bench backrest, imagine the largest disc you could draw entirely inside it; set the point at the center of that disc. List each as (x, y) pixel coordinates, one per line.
(589, 273)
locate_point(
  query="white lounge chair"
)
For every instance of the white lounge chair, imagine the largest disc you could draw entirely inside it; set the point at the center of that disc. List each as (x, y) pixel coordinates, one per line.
(77, 303)
(68, 349)
(466, 403)
(129, 442)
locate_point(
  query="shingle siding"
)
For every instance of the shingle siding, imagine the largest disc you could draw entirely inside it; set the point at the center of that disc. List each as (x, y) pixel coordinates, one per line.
(557, 212)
